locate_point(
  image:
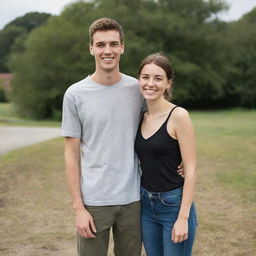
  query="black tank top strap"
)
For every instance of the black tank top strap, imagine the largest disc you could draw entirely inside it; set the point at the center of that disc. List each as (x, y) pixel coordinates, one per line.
(142, 117)
(170, 114)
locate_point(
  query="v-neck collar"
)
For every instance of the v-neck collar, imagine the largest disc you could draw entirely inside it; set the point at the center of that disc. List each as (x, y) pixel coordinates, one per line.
(168, 116)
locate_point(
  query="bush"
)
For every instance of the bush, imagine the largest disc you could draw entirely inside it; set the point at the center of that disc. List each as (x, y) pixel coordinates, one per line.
(3, 97)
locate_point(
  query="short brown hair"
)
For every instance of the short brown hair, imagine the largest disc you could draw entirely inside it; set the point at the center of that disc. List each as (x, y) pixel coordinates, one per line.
(163, 62)
(105, 24)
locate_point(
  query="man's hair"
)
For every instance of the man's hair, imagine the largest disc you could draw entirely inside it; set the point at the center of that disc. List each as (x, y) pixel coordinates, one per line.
(105, 24)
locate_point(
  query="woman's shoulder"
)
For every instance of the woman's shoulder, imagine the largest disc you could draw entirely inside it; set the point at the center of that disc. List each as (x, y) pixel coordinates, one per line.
(180, 113)
(180, 118)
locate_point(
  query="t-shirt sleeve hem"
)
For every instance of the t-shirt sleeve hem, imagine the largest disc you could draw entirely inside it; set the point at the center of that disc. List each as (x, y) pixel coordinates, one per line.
(70, 134)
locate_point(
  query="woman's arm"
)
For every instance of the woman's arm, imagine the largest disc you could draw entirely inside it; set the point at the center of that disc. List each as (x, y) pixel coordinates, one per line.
(186, 137)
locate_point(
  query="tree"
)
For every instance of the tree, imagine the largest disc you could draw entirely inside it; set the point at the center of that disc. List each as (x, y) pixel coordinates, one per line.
(240, 89)
(18, 29)
(29, 21)
(55, 57)
(56, 54)
(7, 37)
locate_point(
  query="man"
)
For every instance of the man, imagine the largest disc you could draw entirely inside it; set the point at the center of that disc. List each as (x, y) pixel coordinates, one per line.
(100, 120)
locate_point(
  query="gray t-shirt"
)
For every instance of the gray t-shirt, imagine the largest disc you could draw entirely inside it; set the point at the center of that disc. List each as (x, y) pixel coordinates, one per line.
(105, 118)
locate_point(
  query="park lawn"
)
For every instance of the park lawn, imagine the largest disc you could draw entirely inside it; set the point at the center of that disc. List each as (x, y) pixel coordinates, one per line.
(227, 138)
(226, 182)
(35, 206)
(8, 116)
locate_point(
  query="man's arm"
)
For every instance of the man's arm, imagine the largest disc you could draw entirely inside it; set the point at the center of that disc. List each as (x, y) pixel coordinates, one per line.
(84, 221)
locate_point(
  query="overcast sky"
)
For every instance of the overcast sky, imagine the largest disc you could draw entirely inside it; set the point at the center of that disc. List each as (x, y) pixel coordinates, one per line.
(11, 9)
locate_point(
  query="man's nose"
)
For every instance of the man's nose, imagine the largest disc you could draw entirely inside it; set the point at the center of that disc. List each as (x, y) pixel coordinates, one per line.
(107, 49)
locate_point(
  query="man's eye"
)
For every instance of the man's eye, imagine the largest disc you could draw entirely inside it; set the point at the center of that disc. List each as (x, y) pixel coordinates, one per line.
(100, 45)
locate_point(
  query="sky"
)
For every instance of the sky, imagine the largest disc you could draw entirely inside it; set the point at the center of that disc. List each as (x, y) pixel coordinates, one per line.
(11, 9)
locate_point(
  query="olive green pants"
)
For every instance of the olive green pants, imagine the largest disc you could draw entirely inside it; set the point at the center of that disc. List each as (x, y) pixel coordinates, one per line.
(125, 223)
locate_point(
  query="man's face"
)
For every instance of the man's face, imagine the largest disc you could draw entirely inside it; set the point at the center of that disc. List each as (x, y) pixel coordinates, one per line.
(107, 49)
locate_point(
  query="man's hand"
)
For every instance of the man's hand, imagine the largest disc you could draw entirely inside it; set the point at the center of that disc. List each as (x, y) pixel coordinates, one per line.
(181, 170)
(84, 223)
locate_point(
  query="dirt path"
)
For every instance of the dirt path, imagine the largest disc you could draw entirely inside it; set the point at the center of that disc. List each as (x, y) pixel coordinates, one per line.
(12, 137)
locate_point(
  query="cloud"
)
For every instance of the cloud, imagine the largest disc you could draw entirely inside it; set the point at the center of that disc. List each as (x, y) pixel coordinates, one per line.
(237, 9)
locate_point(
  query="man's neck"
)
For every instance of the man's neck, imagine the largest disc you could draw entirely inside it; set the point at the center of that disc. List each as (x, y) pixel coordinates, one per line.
(106, 78)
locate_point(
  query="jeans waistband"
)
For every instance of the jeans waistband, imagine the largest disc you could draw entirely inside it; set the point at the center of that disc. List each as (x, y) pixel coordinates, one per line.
(159, 194)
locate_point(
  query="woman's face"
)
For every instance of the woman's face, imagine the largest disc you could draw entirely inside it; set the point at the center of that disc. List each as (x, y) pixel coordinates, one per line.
(153, 82)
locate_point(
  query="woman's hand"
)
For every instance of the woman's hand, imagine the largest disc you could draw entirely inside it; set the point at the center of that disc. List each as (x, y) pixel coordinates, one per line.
(180, 230)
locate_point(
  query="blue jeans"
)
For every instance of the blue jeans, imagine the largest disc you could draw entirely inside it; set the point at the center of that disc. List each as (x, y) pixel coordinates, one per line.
(159, 212)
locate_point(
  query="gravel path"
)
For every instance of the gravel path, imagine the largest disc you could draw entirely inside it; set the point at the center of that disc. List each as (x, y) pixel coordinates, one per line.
(12, 137)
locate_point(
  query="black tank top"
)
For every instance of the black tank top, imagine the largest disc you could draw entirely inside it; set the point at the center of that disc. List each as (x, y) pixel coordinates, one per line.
(159, 157)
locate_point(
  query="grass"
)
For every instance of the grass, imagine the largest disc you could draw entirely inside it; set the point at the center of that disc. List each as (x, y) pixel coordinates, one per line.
(36, 217)
(230, 137)
(226, 182)
(8, 116)
(35, 207)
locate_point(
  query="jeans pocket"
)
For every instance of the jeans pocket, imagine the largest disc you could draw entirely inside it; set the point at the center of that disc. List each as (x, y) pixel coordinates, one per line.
(171, 200)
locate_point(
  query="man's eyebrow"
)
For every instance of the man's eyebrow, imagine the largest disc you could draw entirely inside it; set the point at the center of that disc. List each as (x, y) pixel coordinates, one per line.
(104, 42)
(114, 42)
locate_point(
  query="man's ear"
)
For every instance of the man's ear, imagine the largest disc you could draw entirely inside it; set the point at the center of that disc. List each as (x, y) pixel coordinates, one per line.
(91, 50)
(122, 50)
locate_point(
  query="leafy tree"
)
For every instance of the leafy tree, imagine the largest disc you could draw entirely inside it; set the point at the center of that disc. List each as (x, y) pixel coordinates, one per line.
(16, 33)
(7, 37)
(29, 21)
(56, 55)
(240, 89)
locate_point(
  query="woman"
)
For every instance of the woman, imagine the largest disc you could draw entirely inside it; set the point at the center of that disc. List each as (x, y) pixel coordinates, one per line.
(165, 137)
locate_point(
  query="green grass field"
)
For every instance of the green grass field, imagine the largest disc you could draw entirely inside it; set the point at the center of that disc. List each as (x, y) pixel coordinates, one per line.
(227, 139)
(35, 207)
(8, 116)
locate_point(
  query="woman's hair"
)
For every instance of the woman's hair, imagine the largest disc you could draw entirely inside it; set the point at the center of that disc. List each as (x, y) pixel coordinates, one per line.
(163, 62)
(105, 24)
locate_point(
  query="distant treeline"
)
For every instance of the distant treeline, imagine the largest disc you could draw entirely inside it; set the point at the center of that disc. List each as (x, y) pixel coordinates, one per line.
(214, 61)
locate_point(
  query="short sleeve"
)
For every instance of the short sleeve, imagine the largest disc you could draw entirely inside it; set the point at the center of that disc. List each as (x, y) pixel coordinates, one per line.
(71, 125)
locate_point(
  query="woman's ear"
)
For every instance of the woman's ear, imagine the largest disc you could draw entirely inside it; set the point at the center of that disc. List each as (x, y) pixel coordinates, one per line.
(170, 83)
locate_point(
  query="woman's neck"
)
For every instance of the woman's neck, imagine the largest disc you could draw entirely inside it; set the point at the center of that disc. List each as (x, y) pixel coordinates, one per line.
(156, 108)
